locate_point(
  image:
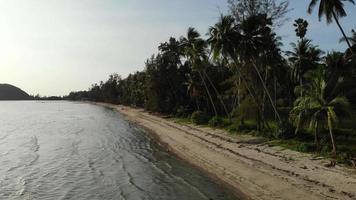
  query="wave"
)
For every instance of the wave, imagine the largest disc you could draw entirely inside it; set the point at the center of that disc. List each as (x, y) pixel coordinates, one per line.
(34, 144)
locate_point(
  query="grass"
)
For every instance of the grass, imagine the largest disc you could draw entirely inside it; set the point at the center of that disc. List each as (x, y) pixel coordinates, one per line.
(294, 144)
(181, 120)
(304, 142)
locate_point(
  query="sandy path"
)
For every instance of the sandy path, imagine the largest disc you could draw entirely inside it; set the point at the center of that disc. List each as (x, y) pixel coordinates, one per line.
(244, 163)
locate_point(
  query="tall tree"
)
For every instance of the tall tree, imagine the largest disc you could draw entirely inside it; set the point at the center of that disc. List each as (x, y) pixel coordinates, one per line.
(352, 40)
(332, 10)
(255, 38)
(223, 43)
(196, 53)
(321, 103)
(303, 57)
(276, 10)
(301, 26)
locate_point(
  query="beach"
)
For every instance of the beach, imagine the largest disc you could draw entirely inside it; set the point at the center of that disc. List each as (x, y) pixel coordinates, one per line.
(246, 164)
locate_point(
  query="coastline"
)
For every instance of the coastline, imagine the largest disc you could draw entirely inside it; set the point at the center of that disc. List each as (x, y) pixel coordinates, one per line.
(249, 167)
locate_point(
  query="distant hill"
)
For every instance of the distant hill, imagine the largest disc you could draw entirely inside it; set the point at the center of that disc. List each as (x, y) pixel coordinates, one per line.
(10, 92)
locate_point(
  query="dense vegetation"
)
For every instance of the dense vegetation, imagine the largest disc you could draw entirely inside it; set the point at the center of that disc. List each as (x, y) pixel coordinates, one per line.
(240, 79)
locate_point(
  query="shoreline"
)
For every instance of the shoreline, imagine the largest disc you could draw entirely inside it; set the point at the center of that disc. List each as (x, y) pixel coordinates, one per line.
(151, 134)
(249, 168)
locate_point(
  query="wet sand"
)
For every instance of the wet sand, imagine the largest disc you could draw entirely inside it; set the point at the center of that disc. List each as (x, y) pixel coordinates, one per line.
(249, 166)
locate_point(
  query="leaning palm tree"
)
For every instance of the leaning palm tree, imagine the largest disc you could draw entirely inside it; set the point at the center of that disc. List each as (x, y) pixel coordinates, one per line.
(196, 53)
(320, 106)
(332, 10)
(223, 37)
(194, 88)
(242, 43)
(352, 40)
(255, 38)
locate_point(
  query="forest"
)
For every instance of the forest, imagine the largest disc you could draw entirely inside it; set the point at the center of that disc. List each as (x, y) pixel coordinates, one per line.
(237, 77)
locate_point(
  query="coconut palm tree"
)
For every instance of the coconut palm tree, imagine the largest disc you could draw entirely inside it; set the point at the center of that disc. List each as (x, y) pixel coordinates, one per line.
(332, 10)
(223, 38)
(320, 106)
(352, 40)
(194, 88)
(340, 65)
(243, 43)
(303, 57)
(196, 53)
(255, 39)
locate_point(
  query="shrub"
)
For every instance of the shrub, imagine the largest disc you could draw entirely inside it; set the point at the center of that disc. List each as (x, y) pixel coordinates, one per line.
(247, 110)
(199, 117)
(306, 147)
(240, 125)
(326, 149)
(216, 122)
(181, 112)
(284, 131)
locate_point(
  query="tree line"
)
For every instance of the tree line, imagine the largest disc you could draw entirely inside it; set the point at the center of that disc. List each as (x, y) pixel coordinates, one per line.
(239, 77)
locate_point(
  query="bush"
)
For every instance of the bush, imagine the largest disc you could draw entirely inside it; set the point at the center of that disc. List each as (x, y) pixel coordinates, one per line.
(181, 112)
(285, 131)
(216, 122)
(240, 125)
(199, 117)
(326, 149)
(247, 110)
(306, 147)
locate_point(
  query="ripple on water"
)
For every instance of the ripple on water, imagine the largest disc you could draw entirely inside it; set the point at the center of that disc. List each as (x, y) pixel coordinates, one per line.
(34, 146)
(88, 152)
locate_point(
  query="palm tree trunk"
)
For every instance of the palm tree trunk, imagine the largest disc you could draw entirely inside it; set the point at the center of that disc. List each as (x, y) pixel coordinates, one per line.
(267, 92)
(208, 92)
(244, 81)
(218, 94)
(343, 32)
(301, 87)
(275, 96)
(330, 126)
(316, 139)
(197, 103)
(239, 93)
(259, 111)
(264, 99)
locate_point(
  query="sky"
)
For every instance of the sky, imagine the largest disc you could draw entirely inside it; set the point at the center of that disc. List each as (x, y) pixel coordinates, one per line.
(52, 47)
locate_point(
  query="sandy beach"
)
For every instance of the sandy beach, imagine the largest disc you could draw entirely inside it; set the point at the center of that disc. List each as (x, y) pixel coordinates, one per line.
(253, 169)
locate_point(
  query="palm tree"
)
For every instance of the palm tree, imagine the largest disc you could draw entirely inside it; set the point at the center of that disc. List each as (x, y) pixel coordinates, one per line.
(242, 43)
(223, 37)
(303, 57)
(320, 105)
(255, 39)
(195, 51)
(193, 88)
(301, 27)
(352, 40)
(332, 10)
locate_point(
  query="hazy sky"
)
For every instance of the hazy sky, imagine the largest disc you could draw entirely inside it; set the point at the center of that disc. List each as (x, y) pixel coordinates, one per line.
(52, 47)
